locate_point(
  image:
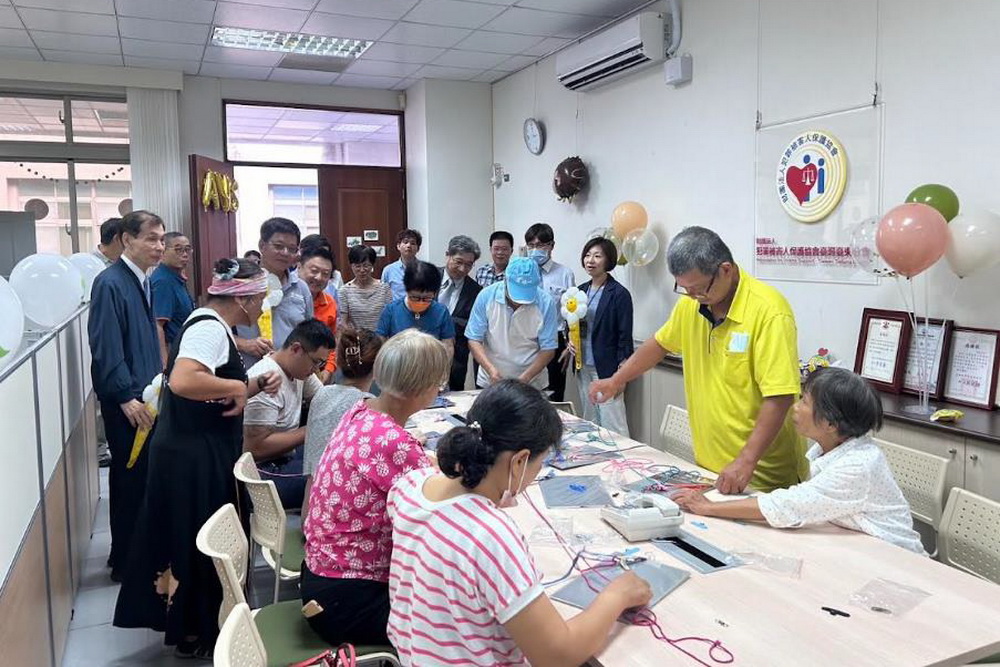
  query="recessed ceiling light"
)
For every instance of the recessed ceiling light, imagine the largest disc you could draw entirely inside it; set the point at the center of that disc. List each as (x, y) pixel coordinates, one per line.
(288, 42)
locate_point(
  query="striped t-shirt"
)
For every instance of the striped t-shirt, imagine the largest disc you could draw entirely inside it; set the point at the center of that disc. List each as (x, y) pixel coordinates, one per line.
(460, 569)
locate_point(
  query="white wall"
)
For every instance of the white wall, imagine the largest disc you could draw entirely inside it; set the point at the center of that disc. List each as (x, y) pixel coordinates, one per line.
(449, 153)
(669, 148)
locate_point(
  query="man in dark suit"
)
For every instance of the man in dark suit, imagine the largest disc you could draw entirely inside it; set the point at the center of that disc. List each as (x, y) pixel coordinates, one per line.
(458, 293)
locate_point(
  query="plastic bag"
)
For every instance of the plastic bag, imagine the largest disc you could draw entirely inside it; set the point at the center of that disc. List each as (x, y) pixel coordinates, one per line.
(785, 566)
(890, 598)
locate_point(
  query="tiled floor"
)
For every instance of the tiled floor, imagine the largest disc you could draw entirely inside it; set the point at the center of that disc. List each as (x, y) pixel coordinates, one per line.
(94, 641)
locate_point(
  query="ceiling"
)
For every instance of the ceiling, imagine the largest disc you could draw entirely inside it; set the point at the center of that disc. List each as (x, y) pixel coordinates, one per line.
(482, 40)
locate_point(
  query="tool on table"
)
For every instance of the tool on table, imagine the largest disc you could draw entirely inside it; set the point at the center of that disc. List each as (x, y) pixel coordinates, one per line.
(651, 516)
(835, 612)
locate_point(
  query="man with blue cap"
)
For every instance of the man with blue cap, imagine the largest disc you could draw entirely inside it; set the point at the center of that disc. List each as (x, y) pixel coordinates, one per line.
(513, 327)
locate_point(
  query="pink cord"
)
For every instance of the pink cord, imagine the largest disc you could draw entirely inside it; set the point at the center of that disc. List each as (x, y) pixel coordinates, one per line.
(644, 617)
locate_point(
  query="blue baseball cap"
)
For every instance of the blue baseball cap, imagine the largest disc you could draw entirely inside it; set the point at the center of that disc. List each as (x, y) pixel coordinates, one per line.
(523, 278)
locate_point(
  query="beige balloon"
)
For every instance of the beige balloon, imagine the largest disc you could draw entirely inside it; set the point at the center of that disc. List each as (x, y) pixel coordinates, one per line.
(627, 216)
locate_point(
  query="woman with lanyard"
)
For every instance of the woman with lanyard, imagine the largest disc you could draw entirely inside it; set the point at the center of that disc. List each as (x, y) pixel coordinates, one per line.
(607, 332)
(168, 585)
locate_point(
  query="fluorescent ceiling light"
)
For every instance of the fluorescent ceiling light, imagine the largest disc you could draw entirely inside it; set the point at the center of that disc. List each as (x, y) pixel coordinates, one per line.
(288, 42)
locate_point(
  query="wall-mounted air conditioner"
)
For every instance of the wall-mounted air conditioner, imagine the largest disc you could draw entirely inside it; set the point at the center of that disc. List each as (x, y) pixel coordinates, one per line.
(624, 48)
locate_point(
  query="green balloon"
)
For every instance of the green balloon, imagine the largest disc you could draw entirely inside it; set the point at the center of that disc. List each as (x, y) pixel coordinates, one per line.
(937, 196)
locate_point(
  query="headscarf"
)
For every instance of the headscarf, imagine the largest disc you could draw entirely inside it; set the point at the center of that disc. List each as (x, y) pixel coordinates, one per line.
(227, 284)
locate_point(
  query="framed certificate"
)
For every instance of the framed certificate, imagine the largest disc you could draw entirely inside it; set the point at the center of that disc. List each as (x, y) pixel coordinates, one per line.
(883, 343)
(928, 344)
(972, 367)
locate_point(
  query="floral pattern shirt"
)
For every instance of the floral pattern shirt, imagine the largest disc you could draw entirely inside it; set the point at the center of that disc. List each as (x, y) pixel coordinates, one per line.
(348, 533)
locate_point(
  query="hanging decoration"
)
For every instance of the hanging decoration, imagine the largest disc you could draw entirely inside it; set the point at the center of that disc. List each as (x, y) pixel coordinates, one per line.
(151, 401)
(218, 191)
(627, 216)
(570, 179)
(640, 246)
(573, 307)
(106, 177)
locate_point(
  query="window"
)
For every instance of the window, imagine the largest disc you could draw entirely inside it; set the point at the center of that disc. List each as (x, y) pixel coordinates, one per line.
(65, 159)
(291, 135)
(267, 192)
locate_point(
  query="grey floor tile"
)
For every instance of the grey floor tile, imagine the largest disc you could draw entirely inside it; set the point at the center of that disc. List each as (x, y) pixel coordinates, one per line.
(94, 606)
(100, 545)
(95, 574)
(108, 645)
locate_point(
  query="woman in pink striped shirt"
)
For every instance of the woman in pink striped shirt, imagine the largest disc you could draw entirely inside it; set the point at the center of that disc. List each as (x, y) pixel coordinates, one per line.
(463, 586)
(348, 535)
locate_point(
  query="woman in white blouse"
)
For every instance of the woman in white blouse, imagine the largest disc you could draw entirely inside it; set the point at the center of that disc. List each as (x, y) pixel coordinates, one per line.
(850, 482)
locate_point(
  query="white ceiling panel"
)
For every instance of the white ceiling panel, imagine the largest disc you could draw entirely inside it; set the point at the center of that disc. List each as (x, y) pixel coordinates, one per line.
(75, 22)
(549, 24)
(82, 58)
(362, 81)
(83, 43)
(471, 59)
(546, 46)
(453, 13)
(440, 72)
(217, 54)
(16, 53)
(605, 8)
(490, 76)
(497, 42)
(287, 4)
(302, 76)
(186, 66)
(92, 6)
(515, 63)
(191, 11)
(425, 35)
(9, 18)
(402, 53)
(336, 25)
(382, 68)
(239, 15)
(15, 37)
(226, 71)
(147, 49)
(379, 9)
(403, 84)
(182, 33)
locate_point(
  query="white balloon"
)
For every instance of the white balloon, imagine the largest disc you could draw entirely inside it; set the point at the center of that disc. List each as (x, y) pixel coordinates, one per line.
(88, 266)
(975, 242)
(274, 291)
(49, 286)
(864, 252)
(11, 323)
(640, 246)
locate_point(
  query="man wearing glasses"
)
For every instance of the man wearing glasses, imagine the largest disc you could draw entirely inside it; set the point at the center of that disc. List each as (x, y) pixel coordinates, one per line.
(171, 301)
(419, 309)
(279, 252)
(271, 430)
(739, 342)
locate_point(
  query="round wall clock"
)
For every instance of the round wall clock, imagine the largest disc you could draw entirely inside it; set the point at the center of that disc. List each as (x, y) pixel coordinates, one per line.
(534, 136)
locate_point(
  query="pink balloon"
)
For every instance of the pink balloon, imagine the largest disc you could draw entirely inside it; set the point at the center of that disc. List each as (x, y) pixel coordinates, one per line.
(911, 237)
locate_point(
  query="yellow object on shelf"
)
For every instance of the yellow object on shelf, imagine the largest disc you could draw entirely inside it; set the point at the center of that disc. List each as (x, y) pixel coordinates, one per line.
(949, 416)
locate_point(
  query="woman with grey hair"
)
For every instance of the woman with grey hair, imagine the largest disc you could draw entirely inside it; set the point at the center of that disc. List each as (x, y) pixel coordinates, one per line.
(850, 484)
(347, 530)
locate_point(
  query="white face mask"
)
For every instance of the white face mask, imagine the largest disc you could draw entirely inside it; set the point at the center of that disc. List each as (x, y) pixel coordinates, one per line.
(509, 496)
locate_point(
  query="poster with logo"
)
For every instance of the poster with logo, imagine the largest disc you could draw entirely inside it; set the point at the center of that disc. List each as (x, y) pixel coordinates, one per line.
(816, 180)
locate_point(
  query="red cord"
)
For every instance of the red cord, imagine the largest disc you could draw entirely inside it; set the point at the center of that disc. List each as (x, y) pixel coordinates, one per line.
(644, 617)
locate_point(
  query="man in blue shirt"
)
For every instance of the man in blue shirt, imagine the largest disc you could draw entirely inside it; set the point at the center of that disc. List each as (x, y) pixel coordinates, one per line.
(408, 244)
(513, 328)
(419, 308)
(171, 301)
(125, 357)
(279, 252)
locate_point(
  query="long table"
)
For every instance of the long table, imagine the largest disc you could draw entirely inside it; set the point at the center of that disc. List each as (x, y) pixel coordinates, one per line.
(764, 618)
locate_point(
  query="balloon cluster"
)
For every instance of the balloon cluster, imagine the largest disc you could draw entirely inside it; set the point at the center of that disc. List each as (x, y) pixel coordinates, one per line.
(911, 237)
(635, 242)
(218, 191)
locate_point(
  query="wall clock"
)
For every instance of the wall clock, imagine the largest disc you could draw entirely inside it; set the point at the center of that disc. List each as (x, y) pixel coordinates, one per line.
(534, 136)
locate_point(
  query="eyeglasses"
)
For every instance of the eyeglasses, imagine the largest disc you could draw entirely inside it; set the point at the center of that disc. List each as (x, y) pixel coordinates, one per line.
(318, 364)
(421, 299)
(283, 249)
(182, 250)
(356, 268)
(696, 293)
(461, 263)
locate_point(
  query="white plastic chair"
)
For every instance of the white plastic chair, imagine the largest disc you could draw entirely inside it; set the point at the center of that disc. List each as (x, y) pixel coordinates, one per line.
(969, 538)
(565, 406)
(269, 524)
(675, 429)
(921, 478)
(283, 630)
(239, 643)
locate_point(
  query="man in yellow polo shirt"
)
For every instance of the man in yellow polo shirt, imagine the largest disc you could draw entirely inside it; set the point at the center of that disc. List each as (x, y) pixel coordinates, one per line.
(737, 336)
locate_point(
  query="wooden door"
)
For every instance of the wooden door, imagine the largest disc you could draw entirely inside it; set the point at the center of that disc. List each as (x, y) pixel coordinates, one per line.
(365, 202)
(213, 232)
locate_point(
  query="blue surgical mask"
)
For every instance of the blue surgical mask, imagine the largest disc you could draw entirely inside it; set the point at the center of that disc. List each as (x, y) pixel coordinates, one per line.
(540, 255)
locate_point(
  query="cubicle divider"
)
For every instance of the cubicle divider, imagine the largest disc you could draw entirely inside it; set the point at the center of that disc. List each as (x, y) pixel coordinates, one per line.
(49, 487)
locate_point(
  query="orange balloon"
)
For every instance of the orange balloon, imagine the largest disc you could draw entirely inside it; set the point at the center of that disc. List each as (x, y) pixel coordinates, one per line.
(627, 216)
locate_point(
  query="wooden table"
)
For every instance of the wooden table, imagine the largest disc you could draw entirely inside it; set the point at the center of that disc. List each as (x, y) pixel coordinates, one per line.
(767, 619)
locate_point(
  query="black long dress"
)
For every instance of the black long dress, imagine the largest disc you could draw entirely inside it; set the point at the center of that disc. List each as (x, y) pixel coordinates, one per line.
(169, 585)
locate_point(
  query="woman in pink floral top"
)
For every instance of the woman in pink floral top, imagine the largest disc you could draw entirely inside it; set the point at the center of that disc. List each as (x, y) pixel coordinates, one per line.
(348, 533)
